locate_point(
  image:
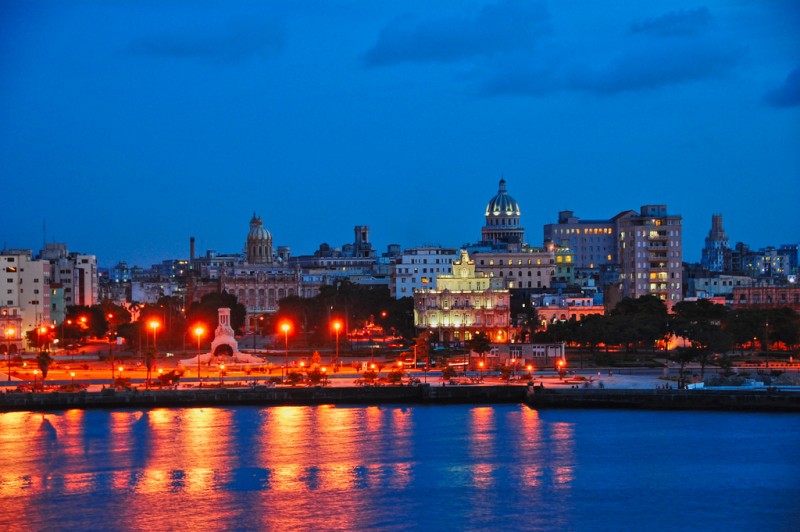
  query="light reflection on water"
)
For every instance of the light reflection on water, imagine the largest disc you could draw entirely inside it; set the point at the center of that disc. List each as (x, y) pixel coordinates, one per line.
(390, 467)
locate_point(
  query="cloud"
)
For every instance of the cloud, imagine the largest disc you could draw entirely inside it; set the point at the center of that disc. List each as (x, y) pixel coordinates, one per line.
(788, 94)
(502, 27)
(235, 43)
(643, 60)
(675, 23)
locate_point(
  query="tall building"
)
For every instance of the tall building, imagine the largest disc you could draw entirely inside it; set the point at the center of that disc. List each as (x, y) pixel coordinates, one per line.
(76, 272)
(502, 220)
(650, 254)
(717, 246)
(463, 303)
(25, 285)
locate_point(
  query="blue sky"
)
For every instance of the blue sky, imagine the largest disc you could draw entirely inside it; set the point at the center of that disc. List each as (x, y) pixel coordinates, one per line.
(129, 126)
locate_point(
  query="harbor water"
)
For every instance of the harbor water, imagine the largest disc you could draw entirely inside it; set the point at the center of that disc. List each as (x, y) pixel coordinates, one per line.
(390, 467)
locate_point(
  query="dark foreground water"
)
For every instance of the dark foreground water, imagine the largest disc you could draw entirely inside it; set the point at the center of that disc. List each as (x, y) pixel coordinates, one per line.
(398, 468)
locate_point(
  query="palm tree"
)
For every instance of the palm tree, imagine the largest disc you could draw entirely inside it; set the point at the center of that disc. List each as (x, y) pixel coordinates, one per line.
(43, 360)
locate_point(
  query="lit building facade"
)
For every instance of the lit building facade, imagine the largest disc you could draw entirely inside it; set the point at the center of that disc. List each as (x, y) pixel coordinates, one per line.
(533, 268)
(650, 254)
(462, 304)
(593, 242)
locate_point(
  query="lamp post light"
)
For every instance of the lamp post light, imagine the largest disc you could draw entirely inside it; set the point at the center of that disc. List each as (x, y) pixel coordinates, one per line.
(72, 374)
(337, 325)
(324, 371)
(154, 325)
(9, 332)
(286, 327)
(255, 330)
(198, 332)
(119, 372)
(221, 374)
(111, 345)
(480, 369)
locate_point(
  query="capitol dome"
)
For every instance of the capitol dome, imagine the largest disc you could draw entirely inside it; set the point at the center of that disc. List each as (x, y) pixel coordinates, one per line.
(502, 227)
(502, 204)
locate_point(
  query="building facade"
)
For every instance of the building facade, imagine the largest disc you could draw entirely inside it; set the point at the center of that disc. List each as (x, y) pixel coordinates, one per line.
(593, 242)
(417, 268)
(650, 254)
(532, 268)
(25, 286)
(463, 303)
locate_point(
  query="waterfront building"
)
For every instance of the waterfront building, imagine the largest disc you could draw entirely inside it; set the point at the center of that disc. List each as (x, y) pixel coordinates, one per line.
(650, 254)
(716, 246)
(765, 263)
(463, 303)
(417, 268)
(25, 286)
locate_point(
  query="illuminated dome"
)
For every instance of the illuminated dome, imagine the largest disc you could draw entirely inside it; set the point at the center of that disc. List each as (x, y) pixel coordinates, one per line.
(502, 227)
(502, 204)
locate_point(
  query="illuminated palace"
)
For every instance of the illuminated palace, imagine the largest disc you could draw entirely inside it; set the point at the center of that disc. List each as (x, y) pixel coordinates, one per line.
(463, 303)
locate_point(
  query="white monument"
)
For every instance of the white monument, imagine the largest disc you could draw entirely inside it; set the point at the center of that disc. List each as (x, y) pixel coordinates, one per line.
(224, 347)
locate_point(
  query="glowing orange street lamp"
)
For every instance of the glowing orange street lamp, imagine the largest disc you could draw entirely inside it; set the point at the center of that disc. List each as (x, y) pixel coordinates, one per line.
(198, 332)
(480, 368)
(154, 325)
(324, 375)
(9, 332)
(72, 374)
(337, 325)
(221, 373)
(286, 327)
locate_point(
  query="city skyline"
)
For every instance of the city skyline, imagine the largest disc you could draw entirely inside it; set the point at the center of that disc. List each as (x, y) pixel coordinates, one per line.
(128, 128)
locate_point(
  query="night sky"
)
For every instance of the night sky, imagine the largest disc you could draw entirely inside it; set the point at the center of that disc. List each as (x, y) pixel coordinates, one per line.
(128, 126)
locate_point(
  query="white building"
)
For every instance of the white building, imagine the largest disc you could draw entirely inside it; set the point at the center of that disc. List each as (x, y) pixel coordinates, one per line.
(417, 268)
(76, 272)
(25, 284)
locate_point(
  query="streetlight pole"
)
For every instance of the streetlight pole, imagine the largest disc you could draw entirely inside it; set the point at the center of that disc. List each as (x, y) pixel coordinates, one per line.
(198, 331)
(336, 326)
(285, 327)
(111, 348)
(10, 332)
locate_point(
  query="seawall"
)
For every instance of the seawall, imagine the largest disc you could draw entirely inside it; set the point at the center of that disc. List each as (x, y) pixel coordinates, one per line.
(263, 396)
(732, 400)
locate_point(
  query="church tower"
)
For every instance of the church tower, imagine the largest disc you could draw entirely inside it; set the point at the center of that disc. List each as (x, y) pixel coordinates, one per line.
(259, 242)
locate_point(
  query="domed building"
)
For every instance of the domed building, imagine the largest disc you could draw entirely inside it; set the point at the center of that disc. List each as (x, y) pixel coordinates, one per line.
(502, 220)
(259, 242)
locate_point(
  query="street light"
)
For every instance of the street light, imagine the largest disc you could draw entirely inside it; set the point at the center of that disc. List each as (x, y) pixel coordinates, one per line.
(198, 332)
(221, 373)
(337, 325)
(286, 327)
(480, 369)
(72, 374)
(111, 346)
(154, 325)
(9, 332)
(324, 375)
(255, 330)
